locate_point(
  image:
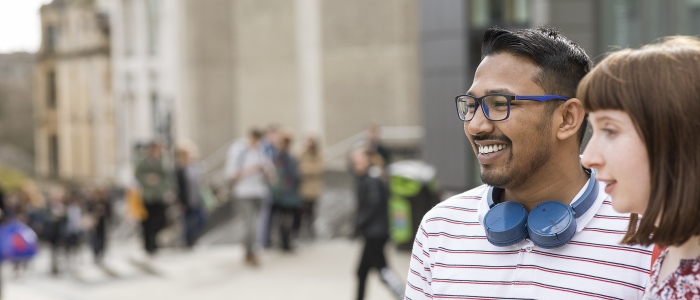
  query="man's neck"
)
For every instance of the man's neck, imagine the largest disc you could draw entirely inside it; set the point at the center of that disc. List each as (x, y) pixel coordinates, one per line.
(554, 182)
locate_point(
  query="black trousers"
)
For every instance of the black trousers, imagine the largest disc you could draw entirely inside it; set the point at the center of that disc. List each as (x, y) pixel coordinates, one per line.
(99, 239)
(304, 217)
(284, 216)
(153, 223)
(372, 257)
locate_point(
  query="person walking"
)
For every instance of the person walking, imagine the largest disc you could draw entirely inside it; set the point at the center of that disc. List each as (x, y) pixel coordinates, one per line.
(311, 172)
(269, 145)
(55, 231)
(285, 191)
(100, 210)
(374, 144)
(156, 186)
(249, 171)
(188, 176)
(372, 221)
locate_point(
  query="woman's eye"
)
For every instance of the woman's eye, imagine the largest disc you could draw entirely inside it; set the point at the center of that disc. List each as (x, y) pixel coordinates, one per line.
(609, 132)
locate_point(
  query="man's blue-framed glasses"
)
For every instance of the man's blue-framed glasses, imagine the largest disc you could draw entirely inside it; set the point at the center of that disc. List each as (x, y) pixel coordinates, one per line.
(496, 107)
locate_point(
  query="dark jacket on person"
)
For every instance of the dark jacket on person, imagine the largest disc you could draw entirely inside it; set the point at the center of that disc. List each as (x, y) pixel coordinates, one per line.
(372, 220)
(285, 192)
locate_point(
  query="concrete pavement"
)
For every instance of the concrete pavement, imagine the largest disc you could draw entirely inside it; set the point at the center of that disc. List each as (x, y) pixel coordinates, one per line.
(320, 270)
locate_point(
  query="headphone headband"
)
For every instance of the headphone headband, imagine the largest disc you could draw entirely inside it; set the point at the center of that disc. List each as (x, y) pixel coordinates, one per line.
(587, 198)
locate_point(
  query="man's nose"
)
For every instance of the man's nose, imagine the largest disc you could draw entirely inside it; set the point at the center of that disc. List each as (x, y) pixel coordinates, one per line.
(479, 124)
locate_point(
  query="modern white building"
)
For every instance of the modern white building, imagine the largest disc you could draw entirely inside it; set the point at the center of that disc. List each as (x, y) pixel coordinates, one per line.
(146, 63)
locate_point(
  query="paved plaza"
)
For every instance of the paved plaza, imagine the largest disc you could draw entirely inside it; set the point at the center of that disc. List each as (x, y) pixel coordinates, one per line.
(318, 270)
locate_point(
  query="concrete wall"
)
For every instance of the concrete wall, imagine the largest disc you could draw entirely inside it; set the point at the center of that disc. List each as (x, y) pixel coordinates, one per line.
(265, 80)
(370, 65)
(208, 94)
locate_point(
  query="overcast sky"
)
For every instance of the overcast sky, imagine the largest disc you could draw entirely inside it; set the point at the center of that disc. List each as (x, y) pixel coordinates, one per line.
(20, 28)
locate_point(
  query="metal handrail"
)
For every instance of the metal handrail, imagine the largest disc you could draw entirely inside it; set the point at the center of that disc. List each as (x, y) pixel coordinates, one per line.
(334, 155)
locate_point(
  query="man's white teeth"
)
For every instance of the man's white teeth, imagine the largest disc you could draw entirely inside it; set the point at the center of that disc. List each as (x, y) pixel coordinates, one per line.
(491, 148)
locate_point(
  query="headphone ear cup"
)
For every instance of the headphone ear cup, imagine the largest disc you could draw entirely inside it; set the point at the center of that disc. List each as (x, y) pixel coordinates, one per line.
(506, 224)
(551, 224)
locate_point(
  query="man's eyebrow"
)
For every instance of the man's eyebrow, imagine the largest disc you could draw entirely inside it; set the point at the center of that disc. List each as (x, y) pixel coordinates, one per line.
(493, 91)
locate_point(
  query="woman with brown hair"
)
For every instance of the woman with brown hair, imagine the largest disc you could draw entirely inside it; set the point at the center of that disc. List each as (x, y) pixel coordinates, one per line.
(311, 172)
(644, 109)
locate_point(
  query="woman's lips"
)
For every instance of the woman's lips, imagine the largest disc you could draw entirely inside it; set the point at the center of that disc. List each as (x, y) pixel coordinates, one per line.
(610, 186)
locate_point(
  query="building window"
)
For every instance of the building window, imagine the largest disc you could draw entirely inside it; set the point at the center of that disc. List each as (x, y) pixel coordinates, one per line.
(51, 89)
(626, 24)
(509, 14)
(505, 13)
(694, 10)
(53, 156)
(51, 38)
(153, 25)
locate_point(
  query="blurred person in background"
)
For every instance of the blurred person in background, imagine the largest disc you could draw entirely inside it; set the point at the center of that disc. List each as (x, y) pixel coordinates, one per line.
(372, 220)
(311, 172)
(285, 190)
(20, 207)
(189, 178)
(55, 230)
(156, 189)
(644, 107)
(249, 171)
(35, 204)
(74, 223)
(270, 147)
(374, 143)
(2, 204)
(100, 209)
(270, 140)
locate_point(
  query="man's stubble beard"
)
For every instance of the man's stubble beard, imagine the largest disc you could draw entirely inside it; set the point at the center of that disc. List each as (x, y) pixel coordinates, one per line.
(508, 178)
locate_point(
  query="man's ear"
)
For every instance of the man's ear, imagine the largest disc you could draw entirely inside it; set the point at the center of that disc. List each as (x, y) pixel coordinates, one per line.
(570, 116)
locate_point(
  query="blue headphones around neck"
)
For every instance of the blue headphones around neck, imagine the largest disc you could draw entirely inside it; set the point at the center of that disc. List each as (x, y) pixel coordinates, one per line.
(550, 224)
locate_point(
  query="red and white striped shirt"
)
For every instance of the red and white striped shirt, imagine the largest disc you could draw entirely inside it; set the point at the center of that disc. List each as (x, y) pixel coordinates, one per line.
(452, 259)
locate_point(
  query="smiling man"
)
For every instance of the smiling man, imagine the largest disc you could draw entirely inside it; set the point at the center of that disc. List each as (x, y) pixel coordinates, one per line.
(541, 227)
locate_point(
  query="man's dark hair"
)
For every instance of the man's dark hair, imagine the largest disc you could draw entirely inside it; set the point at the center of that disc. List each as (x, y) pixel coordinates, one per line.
(256, 133)
(562, 62)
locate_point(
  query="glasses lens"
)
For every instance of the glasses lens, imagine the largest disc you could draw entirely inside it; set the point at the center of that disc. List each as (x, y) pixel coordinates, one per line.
(465, 108)
(496, 107)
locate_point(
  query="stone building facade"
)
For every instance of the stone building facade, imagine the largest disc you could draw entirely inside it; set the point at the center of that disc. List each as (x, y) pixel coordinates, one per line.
(74, 111)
